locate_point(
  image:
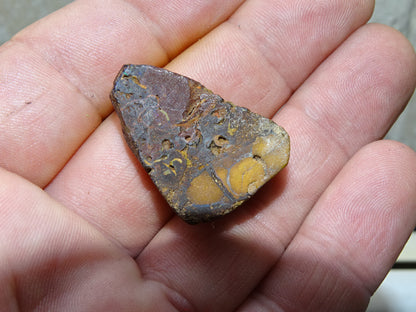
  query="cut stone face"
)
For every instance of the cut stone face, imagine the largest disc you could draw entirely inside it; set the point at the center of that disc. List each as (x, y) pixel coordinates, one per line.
(205, 155)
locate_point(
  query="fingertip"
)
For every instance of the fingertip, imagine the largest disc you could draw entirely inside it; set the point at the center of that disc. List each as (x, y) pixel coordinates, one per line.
(392, 154)
(398, 54)
(364, 218)
(371, 207)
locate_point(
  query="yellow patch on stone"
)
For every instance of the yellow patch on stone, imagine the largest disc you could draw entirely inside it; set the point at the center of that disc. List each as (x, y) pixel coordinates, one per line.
(165, 114)
(246, 176)
(136, 81)
(274, 156)
(184, 153)
(231, 131)
(203, 190)
(222, 174)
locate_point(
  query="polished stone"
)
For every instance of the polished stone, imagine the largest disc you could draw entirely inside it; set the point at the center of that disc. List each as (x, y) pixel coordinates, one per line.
(205, 155)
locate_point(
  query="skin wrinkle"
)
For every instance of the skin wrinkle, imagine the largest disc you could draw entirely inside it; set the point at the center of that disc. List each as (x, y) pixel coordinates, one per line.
(327, 136)
(266, 303)
(232, 50)
(257, 43)
(324, 241)
(331, 127)
(255, 46)
(317, 282)
(258, 52)
(156, 32)
(36, 53)
(177, 300)
(296, 44)
(69, 57)
(26, 107)
(159, 32)
(8, 280)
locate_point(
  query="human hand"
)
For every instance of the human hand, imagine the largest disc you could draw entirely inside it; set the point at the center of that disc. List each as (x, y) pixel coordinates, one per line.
(82, 228)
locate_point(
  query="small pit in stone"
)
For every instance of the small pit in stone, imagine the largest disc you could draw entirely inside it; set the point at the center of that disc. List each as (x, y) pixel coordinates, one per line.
(257, 157)
(167, 145)
(217, 144)
(220, 140)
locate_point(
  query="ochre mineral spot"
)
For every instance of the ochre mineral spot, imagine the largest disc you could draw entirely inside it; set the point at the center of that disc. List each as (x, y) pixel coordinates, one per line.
(205, 155)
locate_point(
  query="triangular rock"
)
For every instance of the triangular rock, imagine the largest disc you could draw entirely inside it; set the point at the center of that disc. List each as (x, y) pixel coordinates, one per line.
(205, 155)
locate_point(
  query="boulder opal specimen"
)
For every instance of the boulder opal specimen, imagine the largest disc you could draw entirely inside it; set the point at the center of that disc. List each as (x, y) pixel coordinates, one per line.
(205, 155)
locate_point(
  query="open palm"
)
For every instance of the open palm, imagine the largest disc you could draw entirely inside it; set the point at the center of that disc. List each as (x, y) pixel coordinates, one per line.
(82, 228)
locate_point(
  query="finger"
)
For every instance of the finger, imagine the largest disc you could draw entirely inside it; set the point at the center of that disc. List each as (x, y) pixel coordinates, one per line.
(139, 207)
(262, 54)
(56, 75)
(243, 246)
(350, 240)
(53, 259)
(351, 100)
